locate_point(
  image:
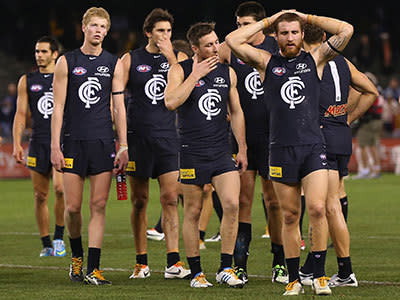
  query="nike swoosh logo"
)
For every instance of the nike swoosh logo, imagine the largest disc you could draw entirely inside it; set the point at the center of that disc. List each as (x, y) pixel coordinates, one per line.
(60, 252)
(145, 273)
(174, 273)
(91, 58)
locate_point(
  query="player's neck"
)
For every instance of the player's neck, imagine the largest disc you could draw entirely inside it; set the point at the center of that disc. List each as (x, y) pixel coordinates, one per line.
(89, 49)
(48, 69)
(151, 48)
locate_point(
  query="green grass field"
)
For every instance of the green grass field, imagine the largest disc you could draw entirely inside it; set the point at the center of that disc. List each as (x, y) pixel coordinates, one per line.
(374, 210)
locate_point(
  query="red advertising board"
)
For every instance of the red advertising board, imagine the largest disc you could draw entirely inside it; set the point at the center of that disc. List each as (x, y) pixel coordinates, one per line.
(8, 166)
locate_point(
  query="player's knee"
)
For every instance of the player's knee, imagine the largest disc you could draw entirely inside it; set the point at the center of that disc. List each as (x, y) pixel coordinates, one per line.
(59, 191)
(317, 211)
(139, 201)
(98, 205)
(230, 207)
(169, 199)
(291, 216)
(40, 197)
(273, 205)
(333, 209)
(72, 208)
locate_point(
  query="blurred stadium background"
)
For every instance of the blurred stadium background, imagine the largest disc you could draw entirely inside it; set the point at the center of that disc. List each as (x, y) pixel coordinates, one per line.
(374, 46)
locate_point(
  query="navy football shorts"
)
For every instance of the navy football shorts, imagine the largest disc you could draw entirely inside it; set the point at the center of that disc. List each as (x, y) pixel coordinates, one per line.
(88, 157)
(339, 163)
(289, 164)
(39, 157)
(151, 156)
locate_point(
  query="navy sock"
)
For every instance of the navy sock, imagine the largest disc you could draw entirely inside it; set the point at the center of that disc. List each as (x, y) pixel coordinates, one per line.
(319, 263)
(303, 209)
(293, 268)
(226, 261)
(76, 247)
(93, 259)
(217, 205)
(308, 266)
(241, 252)
(46, 242)
(345, 269)
(172, 258)
(141, 259)
(195, 266)
(279, 255)
(158, 226)
(202, 235)
(344, 202)
(59, 232)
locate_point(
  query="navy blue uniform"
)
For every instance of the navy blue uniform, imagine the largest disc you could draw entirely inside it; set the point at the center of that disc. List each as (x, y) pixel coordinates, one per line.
(251, 94)
(292, 91)
(152, 135)
(335, 85)
(88, 144)
(203, 127)
(40, 99)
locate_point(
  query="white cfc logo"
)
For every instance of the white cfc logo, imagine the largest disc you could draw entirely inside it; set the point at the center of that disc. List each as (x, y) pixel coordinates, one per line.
(207, 103)
(290, 91)
(154, 88)
(87, 91)
(45, 105)
(253, 84)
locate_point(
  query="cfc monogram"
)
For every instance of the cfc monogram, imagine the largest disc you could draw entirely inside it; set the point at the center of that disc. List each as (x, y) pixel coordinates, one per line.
(45, 105)
(253, 84)
(208, 103)
(154, 88)
(88, 90)
(290, 91)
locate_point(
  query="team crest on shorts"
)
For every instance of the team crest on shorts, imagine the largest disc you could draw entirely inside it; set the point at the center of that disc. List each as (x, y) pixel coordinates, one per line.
(275, 171)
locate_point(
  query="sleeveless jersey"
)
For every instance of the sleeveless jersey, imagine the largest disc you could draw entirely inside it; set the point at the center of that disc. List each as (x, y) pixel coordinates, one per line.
(87, 114)
(251, 92)
(40, 98)
(336, 80)
(202, 117)
(147, 113)
(292, 90)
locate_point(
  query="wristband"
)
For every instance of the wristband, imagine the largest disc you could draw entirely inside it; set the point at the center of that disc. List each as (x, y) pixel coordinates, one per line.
(121, 149)
(266, 22)
(310, 19)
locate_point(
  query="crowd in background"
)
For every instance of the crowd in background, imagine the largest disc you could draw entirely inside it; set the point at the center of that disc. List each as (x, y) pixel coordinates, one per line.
(373, 47)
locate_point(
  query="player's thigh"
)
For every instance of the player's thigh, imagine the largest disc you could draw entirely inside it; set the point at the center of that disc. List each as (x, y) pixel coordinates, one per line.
(41, 183)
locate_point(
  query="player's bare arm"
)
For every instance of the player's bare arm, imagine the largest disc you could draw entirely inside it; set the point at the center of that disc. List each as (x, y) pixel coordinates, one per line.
(126, 65)
(60, 83)
(361, 83)
(178, 89)
(119, 112)
(237, 122)
(20, 120)
(341, 34)
(224, 53)
(237, 42)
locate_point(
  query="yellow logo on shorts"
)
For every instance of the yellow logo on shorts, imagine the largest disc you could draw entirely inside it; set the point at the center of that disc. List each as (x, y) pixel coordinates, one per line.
(69, 163)
(131, 166)
(31, 161)
(275, 171)
(188, 174)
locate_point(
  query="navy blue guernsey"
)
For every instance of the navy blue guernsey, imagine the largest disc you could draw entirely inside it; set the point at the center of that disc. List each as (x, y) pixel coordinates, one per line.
(251, 93)
(147, 113)
(335, 85)
(202, 117)
(40, 98)
(292, 91)
(87, 114)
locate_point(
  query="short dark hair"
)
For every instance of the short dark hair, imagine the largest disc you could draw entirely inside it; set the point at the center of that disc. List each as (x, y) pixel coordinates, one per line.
(156, 15)
(251, 9)
(183, 46)
(54, 44)
(198, 30)
(313, 34)
(288, 17)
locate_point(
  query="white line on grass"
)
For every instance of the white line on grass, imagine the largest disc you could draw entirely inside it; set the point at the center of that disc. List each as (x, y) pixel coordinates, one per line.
(388, 283)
